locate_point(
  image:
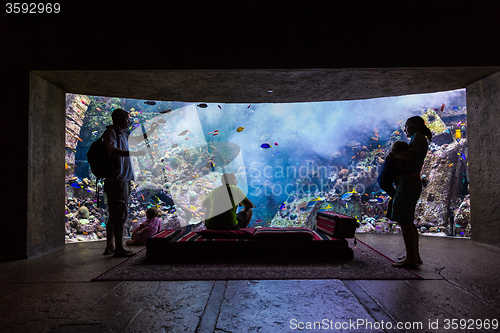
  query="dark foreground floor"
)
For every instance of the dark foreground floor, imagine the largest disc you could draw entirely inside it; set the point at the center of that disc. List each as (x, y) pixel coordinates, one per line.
(53, 293)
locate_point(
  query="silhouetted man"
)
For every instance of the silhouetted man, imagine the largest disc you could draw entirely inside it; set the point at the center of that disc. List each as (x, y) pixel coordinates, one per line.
(117, 185)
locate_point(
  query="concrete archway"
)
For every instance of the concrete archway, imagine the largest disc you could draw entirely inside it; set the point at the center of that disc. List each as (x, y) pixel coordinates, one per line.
(45, 219)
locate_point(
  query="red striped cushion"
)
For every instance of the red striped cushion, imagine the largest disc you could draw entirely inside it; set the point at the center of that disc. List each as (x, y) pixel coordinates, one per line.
(192, 236)
(320, 236)
(244, 233)
(164, 233)
(326, 226)
(270, 231)
(335, 224)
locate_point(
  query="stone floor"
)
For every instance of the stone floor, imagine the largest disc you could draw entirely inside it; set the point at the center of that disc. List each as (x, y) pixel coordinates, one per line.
(53, 293)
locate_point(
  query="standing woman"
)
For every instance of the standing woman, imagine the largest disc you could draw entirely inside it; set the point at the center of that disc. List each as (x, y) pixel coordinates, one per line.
(409, 188)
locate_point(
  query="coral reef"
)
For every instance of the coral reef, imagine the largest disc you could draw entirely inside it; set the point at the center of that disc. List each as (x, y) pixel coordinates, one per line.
(345, 183)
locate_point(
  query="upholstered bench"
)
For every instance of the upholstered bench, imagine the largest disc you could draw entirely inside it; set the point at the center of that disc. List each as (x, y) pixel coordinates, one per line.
(263, 244)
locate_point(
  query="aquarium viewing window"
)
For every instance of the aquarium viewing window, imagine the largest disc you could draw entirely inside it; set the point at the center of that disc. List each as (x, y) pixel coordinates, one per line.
(291, 160)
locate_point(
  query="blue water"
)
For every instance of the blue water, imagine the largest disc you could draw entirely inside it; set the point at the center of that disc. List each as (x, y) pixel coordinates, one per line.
(282, 154)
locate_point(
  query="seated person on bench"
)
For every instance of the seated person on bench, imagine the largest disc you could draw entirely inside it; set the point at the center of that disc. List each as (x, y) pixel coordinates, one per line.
(222, 203)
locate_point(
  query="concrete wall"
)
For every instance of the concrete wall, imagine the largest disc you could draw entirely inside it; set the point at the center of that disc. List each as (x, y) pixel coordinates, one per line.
(483, 104)
(46, 146)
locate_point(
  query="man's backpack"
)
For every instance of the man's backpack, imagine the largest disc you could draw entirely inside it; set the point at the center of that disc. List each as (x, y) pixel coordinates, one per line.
(101, 164)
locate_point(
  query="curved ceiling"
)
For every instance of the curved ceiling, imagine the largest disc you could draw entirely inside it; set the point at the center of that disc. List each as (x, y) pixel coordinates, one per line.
(254, 86)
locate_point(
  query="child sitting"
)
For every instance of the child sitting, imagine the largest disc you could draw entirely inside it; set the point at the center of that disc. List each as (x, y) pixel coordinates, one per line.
(146, 229)
(390, 170)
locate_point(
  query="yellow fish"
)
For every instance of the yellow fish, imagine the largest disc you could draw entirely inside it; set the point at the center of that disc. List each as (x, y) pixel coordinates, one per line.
(193, 208)
(327, 207)
(239, 129)
(317, 199)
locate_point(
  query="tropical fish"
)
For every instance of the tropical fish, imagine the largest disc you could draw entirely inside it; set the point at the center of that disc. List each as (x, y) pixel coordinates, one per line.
(150, 102)
(265, 145)
(282, 206)
(442, 107)
(76, 185)
(275, 143)
(217, 133)
(248, 107)
(174, 145)
(202, 105)
(219, 107)
(183, 132)
(186, 139)
(154, 200)
(346, 196)
(193, 208)
(240, 129)
(83, 102)
(317, 199)
(66, 164)
(166, 111)
(98, 109)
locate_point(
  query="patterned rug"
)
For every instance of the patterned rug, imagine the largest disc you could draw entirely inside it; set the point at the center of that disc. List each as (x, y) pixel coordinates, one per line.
(368, 264)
